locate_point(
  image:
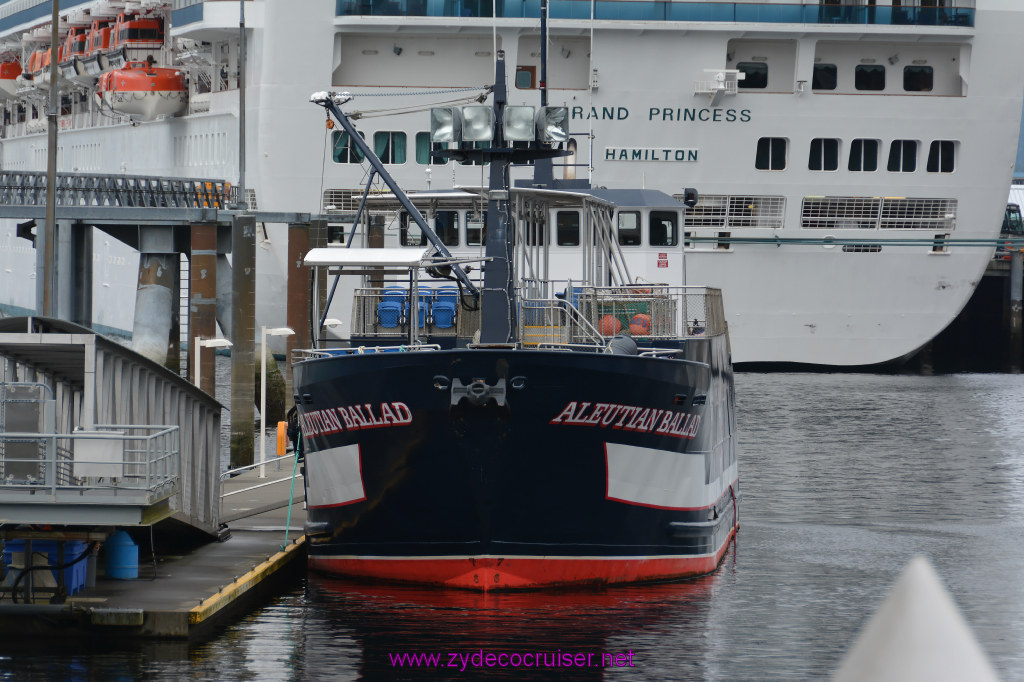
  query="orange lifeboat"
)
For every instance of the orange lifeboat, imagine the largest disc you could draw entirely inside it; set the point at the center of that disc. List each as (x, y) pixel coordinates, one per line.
(10, 69)
(132, 31)
(99, 37)
(143, 90)
(76, 44)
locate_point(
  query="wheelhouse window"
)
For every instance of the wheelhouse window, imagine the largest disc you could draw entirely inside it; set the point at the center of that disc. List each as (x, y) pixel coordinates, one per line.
(663, 229)
(476, 229)
(918, 78)
(824, 154)
(344, 150)
(869, 77)
(864, 156)
(771, 154)
(629, 228)
(825, 77)
(409, 233)
(567, 228)
(756, 75)
(941, 155)
(389, 146)
(446, 227)
(903, 156)
(423, 151)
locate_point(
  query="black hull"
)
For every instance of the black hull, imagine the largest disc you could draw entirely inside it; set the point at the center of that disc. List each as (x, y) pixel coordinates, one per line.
(497, 469)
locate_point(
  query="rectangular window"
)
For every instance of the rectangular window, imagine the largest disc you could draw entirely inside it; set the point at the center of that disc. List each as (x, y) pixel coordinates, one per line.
(567, 228)
(629, 228)
(864, 155)
(869, 77)
(664, 229)
(824, 154)
(903, 156)
(446, 227)
(344, 151)
(756, 75)
(825, 77)
(941, 156)
(771, 153)
(476, 229)
(409, 233)
(389, 146)
(918, 78)
(423, 151)
(526, 77)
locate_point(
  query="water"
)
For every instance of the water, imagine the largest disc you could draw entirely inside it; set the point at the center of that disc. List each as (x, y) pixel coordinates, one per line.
(845, 477)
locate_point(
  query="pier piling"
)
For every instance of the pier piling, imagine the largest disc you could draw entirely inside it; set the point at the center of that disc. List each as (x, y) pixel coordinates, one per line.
(243, 350)
(203, 304)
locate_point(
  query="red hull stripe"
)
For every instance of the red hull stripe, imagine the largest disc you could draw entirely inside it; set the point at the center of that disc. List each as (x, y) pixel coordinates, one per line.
(509, 573)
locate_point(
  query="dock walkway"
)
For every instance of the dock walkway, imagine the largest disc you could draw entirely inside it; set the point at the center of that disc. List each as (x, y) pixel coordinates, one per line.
(187, 595)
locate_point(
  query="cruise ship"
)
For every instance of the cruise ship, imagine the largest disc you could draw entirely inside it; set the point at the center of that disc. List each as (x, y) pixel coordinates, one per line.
(852, 158)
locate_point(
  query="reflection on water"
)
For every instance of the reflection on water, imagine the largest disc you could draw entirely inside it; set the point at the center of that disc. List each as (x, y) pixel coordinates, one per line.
(845, 478)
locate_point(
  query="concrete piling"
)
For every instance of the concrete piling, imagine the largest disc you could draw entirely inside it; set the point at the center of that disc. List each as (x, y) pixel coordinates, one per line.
(243, 350)
(203, 303)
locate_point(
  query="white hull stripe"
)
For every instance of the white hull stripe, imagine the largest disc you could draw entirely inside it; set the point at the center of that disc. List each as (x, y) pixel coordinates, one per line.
(657, 478)
(335, 477)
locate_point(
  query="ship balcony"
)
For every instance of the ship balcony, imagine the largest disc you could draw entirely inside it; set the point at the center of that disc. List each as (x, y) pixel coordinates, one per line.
(956, 13)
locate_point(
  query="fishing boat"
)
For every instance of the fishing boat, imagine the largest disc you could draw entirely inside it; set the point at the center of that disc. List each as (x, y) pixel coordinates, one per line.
(568, 433)
(853, 158)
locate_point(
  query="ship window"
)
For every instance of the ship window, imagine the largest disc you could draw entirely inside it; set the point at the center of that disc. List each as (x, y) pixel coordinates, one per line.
(869, 77)
(423, 151)
(771, 153)
(567, 228)
(664, 229)
(918, 78)
(756, 75)
(903, 156)
(941, 156)
(344, 151)
(476, 229)
(446, 226)
(825, 77)
(409, 233)
(629, 228)
(526, 77)
(389, 146)
(824, 155)
(864, 155)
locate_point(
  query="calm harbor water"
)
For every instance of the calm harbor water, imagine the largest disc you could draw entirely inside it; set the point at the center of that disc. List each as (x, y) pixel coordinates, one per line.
(845, 477)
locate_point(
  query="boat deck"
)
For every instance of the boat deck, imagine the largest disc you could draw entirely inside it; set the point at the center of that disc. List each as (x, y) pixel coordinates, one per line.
(186, 595)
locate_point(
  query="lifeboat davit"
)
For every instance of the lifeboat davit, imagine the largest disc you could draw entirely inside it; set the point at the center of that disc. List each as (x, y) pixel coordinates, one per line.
(143, 90)
(10, 69)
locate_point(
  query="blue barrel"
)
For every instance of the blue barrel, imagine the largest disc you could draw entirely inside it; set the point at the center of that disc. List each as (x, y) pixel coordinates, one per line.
(122, 557)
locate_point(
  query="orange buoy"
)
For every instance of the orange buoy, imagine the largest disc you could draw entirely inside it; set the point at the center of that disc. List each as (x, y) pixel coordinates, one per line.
(640, 325)
(609, 325)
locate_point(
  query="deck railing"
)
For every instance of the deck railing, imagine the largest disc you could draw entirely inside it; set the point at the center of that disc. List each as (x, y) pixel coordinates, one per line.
(130, 464)
(956, 13)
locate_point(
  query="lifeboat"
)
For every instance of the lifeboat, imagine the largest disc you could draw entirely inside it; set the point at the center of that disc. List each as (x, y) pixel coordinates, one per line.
(76, 44)
(10, 69)
(97, 43)
(143, 91)
(134, 32)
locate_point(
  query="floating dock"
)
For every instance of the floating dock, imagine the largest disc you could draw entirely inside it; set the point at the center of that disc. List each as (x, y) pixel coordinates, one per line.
(114, 518)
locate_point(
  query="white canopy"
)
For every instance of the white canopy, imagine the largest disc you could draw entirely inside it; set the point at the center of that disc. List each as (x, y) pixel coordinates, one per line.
(393, 257)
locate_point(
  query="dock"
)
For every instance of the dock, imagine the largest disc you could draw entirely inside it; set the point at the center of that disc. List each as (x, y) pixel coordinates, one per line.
(116, 516)
(187, 593)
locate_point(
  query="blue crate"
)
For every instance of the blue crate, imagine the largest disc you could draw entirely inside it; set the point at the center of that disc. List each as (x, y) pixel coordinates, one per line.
(74, 576)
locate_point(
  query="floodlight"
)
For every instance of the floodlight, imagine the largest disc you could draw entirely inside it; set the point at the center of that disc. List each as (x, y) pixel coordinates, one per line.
(553, 124)
(445, 124)
(477, 123)
(519, 124)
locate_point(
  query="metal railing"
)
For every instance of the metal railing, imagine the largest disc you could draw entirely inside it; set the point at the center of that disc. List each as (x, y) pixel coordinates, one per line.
(130, 464)
(956, 13)
(28, 188)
